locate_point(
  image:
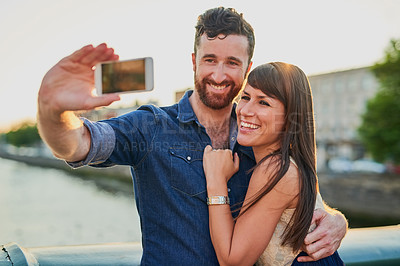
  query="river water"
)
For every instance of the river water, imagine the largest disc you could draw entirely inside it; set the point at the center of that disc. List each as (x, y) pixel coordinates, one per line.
(46, 207)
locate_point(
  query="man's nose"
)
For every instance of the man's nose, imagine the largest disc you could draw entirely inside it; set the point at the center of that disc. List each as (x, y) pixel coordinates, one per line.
(219, 74)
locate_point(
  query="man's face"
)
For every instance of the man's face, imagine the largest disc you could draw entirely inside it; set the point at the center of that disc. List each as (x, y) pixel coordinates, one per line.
(220, 67)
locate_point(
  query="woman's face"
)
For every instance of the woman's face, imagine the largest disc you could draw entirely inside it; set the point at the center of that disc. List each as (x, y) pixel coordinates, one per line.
(260, 120)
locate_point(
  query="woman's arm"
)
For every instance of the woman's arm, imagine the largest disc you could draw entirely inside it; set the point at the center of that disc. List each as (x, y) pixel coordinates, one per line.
(243, 242)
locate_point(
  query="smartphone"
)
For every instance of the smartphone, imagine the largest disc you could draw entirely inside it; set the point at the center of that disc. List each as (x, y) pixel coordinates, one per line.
(125, 76)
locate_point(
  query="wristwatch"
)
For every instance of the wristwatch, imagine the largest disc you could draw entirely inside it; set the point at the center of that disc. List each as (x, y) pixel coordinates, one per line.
(217, 200)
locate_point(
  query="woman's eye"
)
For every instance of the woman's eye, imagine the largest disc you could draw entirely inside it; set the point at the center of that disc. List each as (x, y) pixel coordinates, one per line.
(246, 98)
(264, 103)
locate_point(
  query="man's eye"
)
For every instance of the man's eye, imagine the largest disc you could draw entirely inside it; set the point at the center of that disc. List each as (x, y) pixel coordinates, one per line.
(209, 60)
(233, 63)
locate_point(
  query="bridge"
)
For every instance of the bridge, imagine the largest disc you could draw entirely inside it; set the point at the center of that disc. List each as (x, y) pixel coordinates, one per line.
(364, 246)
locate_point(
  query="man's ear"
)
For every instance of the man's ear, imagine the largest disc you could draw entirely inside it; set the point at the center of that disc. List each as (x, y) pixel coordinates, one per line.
(249, 67)
(194, 61)
(247, 72)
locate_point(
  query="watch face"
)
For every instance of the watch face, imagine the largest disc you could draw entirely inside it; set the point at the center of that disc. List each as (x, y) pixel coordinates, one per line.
(217, 200)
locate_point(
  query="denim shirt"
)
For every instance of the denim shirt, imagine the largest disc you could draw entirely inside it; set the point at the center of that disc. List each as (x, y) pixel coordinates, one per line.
(164, 147)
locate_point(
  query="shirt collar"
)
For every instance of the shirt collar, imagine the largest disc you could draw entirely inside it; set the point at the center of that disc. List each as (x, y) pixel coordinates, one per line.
(185, 110)
(187, 115)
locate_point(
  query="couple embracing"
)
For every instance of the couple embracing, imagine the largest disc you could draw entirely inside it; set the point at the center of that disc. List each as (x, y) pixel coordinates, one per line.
(237, 183)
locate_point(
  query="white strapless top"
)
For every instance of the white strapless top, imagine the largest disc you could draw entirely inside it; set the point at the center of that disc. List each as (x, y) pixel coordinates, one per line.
(276, 254)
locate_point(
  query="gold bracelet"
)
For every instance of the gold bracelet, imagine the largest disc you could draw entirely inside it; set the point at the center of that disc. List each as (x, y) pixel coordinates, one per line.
(217, 200)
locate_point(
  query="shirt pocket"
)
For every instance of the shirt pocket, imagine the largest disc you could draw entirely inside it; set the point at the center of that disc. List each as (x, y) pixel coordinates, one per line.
(187, 175)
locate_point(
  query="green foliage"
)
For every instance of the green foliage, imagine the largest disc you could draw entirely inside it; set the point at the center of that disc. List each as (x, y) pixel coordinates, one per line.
(388, 70)
(380, 128)
(23, 136)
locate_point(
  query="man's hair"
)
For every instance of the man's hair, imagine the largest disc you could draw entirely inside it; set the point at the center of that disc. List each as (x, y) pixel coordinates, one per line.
(226, 21)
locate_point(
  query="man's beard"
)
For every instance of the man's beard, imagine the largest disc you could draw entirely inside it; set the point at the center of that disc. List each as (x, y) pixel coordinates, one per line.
(216, 102)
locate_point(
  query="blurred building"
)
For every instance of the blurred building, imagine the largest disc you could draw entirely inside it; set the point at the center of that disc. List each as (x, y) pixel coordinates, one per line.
(179, 94)
(339, 101)
(110, 112)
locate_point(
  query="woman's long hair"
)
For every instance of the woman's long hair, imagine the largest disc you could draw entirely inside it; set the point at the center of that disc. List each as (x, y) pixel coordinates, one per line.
(288, 84)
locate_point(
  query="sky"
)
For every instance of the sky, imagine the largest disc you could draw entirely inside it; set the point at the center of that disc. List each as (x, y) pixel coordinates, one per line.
(319, 36)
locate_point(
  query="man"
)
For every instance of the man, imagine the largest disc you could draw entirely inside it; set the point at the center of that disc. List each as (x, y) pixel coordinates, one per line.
(164, 146)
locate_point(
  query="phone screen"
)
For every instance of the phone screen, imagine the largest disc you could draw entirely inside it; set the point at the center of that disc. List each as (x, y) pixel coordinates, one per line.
(123, 76)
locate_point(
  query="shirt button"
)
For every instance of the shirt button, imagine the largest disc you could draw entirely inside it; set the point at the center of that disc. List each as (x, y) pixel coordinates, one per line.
(189, 158)
(229, 190)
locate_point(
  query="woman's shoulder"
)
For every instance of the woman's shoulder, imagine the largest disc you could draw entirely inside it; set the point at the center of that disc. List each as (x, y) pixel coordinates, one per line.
(282, 195)
(288, 185)
(271, 165)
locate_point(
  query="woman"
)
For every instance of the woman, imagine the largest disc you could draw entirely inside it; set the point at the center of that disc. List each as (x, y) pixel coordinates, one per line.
(275, 118)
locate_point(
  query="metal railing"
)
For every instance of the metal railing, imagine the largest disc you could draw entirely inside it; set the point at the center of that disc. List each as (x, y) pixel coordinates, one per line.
(366, 246)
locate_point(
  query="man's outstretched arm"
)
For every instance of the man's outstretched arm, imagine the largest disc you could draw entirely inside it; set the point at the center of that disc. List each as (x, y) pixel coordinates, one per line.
(66, 88)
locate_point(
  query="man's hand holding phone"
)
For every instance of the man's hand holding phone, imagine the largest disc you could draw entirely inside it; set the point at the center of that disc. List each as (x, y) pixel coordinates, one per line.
(69, 85)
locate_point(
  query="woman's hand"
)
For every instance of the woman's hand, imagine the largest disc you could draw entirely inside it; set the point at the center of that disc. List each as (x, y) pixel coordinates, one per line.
(219, 165)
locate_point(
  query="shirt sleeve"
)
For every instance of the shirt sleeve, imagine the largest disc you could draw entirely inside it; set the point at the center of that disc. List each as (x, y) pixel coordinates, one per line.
(102, 143)
(123, 140)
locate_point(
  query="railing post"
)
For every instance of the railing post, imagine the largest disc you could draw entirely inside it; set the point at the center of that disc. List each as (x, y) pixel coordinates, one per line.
(13, 254)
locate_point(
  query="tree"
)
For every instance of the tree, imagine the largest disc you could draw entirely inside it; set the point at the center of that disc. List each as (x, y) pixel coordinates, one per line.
(23, 135)
(380, 127)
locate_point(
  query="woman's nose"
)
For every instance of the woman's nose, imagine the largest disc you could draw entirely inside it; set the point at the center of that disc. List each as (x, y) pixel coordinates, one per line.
(246, 109)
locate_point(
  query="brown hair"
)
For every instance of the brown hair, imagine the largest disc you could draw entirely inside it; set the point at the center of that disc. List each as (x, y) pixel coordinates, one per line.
(288, 84)
(226, 21)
